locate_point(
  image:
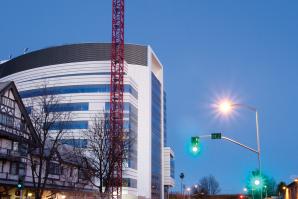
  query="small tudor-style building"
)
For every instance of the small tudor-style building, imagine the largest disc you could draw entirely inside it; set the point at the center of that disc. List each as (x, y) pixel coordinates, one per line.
(16, 134)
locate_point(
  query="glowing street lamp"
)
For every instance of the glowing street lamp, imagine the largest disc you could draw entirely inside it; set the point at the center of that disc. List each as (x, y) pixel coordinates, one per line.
(245, 189)
(226, 107)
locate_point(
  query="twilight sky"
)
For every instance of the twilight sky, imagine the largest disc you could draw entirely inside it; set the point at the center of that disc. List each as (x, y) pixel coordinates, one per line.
(211, 49)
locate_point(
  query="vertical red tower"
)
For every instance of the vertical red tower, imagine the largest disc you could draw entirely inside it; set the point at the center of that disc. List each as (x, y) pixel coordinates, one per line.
(116, 97)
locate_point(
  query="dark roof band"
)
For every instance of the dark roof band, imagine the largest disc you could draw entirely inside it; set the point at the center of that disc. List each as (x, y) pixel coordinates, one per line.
(134, 54)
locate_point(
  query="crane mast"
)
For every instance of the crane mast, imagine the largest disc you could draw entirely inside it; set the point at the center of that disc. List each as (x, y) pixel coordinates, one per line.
(116, 98)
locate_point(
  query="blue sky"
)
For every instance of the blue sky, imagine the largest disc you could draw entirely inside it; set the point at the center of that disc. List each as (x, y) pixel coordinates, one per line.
(246, 50)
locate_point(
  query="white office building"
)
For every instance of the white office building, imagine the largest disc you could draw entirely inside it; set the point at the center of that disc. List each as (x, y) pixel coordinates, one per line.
(80, 75)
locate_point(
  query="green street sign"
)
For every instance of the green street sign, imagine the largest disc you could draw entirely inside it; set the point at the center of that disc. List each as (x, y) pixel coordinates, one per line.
(215, 136)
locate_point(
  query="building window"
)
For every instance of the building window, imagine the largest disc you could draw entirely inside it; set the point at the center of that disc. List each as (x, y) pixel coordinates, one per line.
(1, 166)
(172, 163)
(69, 125)
(15, 146)
(82, 174)
(6, 120)
(129, 182)
(14, 168)
(68, 107)
(28, 109)
(93, 88)
(78, 143)
(70, 171)
(54, 168)
(22, 169)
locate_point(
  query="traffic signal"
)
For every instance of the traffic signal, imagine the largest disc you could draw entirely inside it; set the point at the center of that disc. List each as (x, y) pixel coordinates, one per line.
(215, 136)
(257, 182)
(20, 184)
(195, 141)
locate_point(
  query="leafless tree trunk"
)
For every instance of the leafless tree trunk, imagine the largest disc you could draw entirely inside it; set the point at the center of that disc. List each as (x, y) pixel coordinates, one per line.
(209, 185)
(99, 156)
(49, 126)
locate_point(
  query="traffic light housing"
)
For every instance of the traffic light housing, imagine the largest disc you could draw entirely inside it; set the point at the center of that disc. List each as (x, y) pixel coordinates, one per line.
(195, 141)
(20, 184)
(216, 136)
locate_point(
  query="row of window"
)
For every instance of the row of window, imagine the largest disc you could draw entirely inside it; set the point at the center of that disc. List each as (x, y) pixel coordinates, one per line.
(64, 107)
(16, 168)
(78, 143)
(84, 106)
(67, 125)
(92, 88)
(83, 124)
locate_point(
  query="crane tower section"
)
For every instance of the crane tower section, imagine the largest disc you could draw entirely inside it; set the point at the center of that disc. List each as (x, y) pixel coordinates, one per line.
(116, 97)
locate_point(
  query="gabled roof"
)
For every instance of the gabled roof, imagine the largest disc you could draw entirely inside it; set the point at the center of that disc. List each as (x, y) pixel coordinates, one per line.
(10, 86)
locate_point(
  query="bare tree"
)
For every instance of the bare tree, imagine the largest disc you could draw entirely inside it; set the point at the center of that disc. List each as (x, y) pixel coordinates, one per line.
(99, 156)
(50, 126)
(209, 185)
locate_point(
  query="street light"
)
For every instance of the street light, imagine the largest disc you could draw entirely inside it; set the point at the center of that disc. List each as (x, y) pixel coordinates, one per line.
(188, 191)
(245, 189)
(227, 106)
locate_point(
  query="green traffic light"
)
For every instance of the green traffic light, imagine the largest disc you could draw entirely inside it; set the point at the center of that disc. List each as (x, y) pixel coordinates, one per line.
(257, 182)
(195, 144)
(195, 149)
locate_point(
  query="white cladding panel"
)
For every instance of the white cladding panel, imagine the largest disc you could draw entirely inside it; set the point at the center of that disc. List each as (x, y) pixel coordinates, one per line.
(80, 73)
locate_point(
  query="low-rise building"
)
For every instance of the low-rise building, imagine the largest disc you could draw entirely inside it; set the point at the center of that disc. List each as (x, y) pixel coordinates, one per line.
(65, 178)
(169, 170)
(291, 192)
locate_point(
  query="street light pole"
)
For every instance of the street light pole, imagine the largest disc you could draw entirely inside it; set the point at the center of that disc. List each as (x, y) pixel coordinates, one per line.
(226, 107)
(258, 139)
(257, 129)
(257, 135)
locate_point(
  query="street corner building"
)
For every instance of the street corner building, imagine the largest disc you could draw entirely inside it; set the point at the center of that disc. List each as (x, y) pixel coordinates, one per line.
(17, 135)
(80, 75)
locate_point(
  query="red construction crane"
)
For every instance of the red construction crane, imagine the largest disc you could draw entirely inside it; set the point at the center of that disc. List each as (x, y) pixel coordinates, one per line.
(116, 97)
